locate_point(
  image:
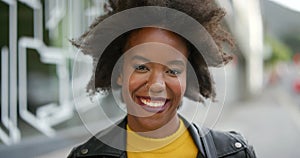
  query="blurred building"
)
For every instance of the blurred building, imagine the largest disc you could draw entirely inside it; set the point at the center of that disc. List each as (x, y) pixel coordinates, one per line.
(43, 100)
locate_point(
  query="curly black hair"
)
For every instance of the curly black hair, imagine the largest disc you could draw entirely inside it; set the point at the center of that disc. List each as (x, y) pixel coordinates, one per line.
(206, 12)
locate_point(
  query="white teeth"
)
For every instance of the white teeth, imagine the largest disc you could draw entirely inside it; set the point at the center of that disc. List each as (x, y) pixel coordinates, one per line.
(148, 102)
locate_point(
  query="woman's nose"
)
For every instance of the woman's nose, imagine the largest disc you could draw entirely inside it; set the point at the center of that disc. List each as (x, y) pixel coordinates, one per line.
(156, 83)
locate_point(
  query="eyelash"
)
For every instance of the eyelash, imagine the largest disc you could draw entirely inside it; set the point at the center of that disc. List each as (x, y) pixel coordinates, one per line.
(141, 68)
(144, 68)
(174, 72)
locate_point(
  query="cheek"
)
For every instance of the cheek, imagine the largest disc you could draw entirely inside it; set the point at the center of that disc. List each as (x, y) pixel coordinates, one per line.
(183, 82)
(178, 86)
(135, 82)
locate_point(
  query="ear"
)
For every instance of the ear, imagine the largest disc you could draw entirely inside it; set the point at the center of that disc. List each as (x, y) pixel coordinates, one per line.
(120, 80)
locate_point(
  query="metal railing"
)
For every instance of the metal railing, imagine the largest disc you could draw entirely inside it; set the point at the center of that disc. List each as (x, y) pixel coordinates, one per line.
(14, 99)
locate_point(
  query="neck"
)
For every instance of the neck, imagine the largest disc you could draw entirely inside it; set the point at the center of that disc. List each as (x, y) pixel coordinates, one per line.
(161, 131)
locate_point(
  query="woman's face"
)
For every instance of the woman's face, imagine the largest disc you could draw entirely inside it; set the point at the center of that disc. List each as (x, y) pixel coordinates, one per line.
(153, 77)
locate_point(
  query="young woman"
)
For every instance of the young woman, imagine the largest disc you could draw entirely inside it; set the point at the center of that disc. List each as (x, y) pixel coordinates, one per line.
(153, 67)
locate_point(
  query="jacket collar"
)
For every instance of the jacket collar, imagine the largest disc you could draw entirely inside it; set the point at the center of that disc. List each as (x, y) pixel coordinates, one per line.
(195, 136)
(116, 136)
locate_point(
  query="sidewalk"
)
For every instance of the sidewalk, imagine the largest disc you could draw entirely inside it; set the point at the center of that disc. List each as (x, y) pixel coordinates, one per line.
(271, 123)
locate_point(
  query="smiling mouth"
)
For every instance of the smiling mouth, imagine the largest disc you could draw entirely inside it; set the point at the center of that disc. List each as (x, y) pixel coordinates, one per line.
(152, 104)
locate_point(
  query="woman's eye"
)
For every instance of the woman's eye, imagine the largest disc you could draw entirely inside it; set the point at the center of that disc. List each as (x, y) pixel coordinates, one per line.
(140, 68)
(174, 72)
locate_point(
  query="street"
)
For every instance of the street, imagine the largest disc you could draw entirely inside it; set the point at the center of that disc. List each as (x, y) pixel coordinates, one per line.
(271, 123)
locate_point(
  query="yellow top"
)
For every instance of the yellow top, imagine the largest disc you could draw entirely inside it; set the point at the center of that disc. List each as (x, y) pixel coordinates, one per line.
(179, 144)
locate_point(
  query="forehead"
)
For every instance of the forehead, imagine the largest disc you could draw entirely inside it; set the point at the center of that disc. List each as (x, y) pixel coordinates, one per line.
(159, 36)
(155, 52)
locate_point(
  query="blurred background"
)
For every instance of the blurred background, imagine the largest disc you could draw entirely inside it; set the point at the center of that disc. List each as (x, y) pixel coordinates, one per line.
(45, 109)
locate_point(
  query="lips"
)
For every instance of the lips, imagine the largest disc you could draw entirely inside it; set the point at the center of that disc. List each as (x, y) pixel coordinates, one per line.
(153, 104)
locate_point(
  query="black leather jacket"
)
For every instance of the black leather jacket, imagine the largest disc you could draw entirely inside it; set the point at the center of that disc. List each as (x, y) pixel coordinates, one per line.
(214, 144)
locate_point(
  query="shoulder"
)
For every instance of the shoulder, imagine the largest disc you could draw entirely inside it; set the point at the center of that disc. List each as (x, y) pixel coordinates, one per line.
(90, 147)
(108, 142)
(231, 144)
(220, 144)
(84, 148)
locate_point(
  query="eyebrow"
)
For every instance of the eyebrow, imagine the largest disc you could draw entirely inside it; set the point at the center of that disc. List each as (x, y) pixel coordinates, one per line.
(176, 62)
(137, 57)
(173, 62)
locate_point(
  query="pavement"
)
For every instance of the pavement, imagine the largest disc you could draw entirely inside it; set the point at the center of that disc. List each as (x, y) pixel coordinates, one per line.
(270, 122)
